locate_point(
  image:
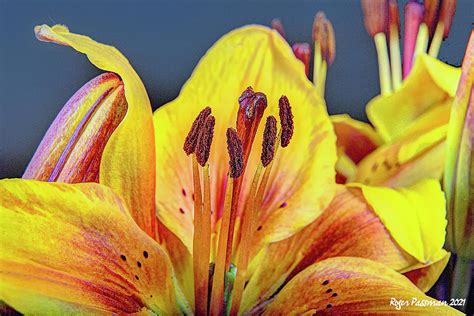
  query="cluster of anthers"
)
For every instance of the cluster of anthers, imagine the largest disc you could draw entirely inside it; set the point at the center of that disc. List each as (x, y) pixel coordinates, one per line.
(209, 286)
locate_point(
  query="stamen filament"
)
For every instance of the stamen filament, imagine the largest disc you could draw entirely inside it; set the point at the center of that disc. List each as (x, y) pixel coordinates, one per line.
(321, 86)
(217, 293)
(248, 221)
(384, 64)
(197, 252)
(421, 41)
(316, 63)
(395, 59)
(437, 40)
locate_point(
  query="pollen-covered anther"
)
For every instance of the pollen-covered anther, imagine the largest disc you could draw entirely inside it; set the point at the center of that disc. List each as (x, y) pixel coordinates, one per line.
(446, 14)
(323, 33)
(236, 154)
(375, 16)
(431, 14)
(394, 17)
(269, 140)
(203, 146)
(318, 25)
(286, 121)
(192, 138)
(278, 26)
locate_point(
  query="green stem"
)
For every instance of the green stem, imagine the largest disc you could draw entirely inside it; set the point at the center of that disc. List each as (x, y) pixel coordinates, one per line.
(461, 280)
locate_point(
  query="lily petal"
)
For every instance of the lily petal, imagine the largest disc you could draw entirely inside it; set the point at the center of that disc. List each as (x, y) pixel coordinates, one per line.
(74, 248)
(393, 114)
(133, 175)
(415, 216)
(259, 57)
(352, 285)
(352, 226)
(414, 156)
(426, 275)
(355, 140)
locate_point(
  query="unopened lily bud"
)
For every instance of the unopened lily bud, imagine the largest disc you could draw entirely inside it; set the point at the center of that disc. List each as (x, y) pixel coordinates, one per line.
(72, 148)
(302, 51)
(375, 16)
(446, 14)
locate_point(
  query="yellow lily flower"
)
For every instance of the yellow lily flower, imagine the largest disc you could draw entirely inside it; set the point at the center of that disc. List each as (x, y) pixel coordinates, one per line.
(82, 248)
(411, 125)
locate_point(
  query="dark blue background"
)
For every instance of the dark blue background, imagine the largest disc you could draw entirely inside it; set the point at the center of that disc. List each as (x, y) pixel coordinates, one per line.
(164, 41)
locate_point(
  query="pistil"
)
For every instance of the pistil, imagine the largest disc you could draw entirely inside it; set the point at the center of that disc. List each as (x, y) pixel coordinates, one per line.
(236, 163)
(249, 217)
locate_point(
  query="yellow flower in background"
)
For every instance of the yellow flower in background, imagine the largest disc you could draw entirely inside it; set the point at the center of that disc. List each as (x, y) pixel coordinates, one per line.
(84, 248)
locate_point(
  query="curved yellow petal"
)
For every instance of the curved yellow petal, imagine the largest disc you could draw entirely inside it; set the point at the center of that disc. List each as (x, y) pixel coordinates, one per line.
(424, 276)
(414, 216)
(303, 173)
(128, 160)
(430, 85)
(346, 285)
(406, 160)
(74, 248)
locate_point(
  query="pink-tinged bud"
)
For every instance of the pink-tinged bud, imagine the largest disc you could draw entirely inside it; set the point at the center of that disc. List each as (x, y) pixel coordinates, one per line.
(394, 16)
(431, 14)
(302, 51)
(252, 105)
(72, 148)
(446, 14)
(413, 19)
(375, 16)
(278, 26)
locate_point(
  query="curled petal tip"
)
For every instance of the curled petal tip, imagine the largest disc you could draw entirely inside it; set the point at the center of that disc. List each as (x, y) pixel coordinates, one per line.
(45, 33)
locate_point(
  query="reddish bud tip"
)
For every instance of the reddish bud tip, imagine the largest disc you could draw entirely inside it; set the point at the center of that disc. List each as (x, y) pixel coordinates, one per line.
(286, 121)
(269, 140)
(203, 146)
(431, 14)
(446, 14)
(278, 26)
(193, 135)
(375, 16)
(394, 16)
(236, 153)
(302, 51)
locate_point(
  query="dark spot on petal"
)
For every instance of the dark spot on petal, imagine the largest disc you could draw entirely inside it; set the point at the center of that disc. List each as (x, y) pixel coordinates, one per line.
(145, 254)
(259, 228)
(326, 282)
(397, 165)
(246, 282)
(375, 166)
(193, 196)
(328, 306)
(151, 295)
(283, 204)
(181, 210)
(183, 191)
(366, 180)
(334, 294)
(136, 277)
(387, 165)
(328, 290)
(139, 264)
(123, 257)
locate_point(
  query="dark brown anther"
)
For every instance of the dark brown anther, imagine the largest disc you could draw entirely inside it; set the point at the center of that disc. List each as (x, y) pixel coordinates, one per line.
(252, 105)
(236, 155)
(269, 140)
(286, 121)
(446, 14)
(193, 135)
(203, 146)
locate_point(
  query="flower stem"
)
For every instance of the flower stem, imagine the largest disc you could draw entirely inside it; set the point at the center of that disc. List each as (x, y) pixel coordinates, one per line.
(461, 279)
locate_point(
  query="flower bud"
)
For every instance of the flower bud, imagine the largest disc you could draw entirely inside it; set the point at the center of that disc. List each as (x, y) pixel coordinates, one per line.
(72, 148)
